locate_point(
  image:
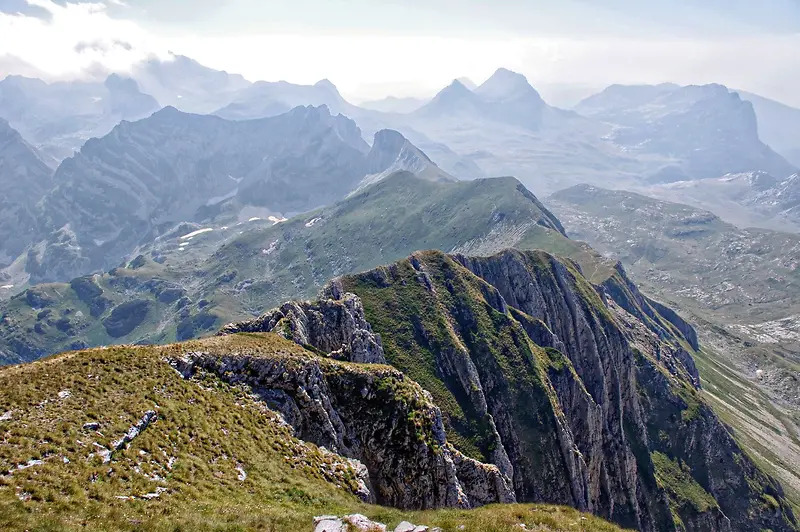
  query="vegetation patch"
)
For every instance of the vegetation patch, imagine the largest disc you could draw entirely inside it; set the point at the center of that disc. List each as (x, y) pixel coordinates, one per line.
(677, 480)
(126, 317)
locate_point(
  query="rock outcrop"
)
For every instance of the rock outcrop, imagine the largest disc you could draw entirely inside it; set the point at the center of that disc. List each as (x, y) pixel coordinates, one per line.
(335, 327)
(572, 396)
(376, 416)
(576, 394)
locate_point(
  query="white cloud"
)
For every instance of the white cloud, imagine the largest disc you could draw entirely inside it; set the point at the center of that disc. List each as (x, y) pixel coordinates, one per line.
(57, 46)
(79, 37)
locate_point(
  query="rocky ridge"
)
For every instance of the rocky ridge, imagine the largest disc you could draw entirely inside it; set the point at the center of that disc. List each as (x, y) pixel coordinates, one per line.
(614, 402)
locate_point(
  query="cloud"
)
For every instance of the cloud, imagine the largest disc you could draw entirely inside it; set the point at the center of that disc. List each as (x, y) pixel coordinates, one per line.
(23, 8)
(75, 39)
(80, 39)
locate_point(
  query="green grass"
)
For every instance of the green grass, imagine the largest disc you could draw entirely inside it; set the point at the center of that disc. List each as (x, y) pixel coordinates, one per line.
(204, 431)
(677, 480)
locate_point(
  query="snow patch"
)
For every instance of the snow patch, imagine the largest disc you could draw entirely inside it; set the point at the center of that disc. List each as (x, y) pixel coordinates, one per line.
(254, 219)
(312, 222)
(6, 287)
(195, 233)
(276, 220)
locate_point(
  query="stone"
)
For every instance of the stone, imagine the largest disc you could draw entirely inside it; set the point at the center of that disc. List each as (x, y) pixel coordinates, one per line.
(361, 523)
(405, 526)
(335, 326)
(329, 523)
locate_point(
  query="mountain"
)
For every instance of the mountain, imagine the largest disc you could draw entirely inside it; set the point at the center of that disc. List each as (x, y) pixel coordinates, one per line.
(391, 152)
(440, 381)
(739, 287)
(265, 98)
(182, 82)
(59, 117)
(194, 280)
(752, 199)
(392, 104)
(542, 378)
(708, 129)
(123, 189)
(777, 125)
(170, 440)
(24, 180)
(506, 97)
(505, 128)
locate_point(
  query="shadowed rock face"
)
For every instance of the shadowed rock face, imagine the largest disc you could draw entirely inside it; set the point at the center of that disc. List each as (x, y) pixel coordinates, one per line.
(377, 416)
(568, 395)
(24, 180)
(120, 190)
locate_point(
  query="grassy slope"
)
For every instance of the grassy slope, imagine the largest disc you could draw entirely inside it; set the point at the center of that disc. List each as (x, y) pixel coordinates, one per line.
(262, 268)
(205, 430)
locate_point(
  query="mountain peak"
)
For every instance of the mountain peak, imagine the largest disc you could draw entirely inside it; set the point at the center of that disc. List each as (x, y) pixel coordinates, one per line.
(468, 83)
(506, 84)
(452, 94)
(327, 85)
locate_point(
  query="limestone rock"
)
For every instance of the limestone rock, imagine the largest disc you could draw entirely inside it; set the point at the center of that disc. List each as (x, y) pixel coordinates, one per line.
(334, 326)
(390, 426)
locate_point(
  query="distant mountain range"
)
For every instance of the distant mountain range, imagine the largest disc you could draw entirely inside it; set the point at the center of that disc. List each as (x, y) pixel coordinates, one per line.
(59, 117)
(709, 130)
(125, 189)
(263, 156)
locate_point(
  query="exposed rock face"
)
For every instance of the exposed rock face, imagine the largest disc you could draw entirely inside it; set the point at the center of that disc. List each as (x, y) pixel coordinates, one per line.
(120, 190)
(24, 180)
(391, 152)
(335, 327)
(568, 395)
(378, 417)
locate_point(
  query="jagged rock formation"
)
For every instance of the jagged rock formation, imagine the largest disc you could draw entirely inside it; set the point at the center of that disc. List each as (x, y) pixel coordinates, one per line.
(378, 417)
(334, 326)
(597, 412)
(391, 152)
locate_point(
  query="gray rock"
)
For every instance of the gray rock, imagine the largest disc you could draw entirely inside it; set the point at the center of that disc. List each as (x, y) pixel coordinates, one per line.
(405, 526)
(318, 400)
(329, 523)
(361, 523)
(335, 326)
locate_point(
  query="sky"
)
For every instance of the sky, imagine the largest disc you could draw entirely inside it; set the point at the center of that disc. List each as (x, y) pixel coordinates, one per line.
(374, 48)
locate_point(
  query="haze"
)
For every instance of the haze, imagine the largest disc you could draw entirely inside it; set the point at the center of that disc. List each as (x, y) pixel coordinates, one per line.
(567, 49)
